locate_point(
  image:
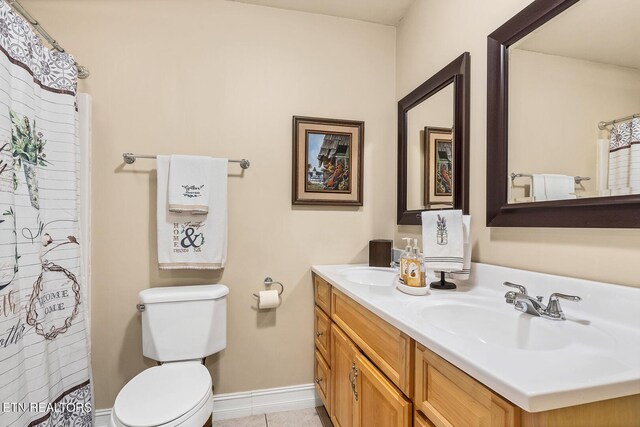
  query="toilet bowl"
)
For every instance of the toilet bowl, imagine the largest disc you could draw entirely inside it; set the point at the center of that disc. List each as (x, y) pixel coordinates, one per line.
(173, 394)
(180, 326)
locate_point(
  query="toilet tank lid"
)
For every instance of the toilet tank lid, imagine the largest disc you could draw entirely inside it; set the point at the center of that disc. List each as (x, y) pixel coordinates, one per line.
(183, 293)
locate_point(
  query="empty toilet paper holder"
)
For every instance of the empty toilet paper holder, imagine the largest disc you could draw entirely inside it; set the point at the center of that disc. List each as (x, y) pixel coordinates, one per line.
(268, 281)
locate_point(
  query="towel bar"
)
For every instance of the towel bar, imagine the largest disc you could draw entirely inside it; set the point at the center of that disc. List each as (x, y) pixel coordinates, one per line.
(130, 158)
(578, 178)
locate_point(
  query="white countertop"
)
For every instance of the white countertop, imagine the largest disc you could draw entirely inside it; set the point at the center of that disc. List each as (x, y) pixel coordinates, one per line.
(593, 355)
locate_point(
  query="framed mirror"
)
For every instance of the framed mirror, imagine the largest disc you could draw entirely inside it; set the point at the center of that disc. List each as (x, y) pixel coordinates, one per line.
(563, 116)
(433, 144)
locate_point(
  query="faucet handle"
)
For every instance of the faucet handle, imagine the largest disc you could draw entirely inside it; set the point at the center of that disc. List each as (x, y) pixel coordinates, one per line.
(554, 311)
(520, 288)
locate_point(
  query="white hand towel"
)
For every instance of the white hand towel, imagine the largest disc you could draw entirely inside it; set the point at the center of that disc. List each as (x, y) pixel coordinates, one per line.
(185, 242)
(537, 188)
(466, 267)
(189, 184)
(559, 187)
(443, 240)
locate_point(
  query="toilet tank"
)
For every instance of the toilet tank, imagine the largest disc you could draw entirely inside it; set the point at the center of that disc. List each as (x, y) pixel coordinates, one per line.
(183, 322)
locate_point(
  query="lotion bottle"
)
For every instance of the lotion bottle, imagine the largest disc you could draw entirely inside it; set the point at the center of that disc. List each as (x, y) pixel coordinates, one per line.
(414, 268)
(404, 260)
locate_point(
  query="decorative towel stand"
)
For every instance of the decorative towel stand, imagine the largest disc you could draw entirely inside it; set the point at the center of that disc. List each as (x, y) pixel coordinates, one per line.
(130, 158)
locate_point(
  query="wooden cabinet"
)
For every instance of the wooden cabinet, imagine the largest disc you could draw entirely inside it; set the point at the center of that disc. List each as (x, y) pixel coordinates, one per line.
(322, 340)
(387, 347)
(361, 395)
(366, 372)
(449, 397)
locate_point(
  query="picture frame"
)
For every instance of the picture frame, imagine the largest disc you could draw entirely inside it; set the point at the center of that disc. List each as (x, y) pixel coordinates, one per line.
(438, 166)
(327, 161)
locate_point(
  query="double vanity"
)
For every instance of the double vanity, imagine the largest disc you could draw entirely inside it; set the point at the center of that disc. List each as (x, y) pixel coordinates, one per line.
(473, 357)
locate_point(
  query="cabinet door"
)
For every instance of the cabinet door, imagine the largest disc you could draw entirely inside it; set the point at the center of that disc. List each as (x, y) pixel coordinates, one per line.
(451, 398)
(343, 359)
(378, 402)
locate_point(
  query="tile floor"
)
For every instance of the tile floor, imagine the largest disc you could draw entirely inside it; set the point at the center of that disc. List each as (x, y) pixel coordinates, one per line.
(300, 418)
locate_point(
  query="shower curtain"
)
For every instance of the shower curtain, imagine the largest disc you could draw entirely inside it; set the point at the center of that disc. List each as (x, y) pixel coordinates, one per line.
(44, 348)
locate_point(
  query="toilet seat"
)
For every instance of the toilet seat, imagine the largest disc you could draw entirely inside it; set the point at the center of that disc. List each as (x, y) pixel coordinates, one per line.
(173, 394)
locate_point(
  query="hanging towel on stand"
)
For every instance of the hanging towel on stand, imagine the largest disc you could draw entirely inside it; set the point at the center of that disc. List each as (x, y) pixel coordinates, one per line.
(186, 241)
(465, 273)
(189, 184)
(443, 240)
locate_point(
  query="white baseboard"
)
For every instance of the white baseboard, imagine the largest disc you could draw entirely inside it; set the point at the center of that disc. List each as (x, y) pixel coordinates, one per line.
(244, 404)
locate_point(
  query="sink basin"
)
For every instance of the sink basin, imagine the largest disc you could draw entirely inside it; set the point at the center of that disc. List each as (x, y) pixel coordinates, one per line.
(496, 327)
(372, 276)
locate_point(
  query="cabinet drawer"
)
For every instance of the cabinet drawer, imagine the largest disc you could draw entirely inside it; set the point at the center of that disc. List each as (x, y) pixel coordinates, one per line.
(322, 291)
(323, 380)
(449, 397)
(323, 334)
(419, 420)
(387, 347)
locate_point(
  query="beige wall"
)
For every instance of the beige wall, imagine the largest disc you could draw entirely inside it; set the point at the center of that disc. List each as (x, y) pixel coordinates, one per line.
(556, 104)
(224, 79)
(431, 35)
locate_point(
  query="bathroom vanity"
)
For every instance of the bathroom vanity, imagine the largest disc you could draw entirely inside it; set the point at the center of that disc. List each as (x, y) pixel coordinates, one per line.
(467, 358)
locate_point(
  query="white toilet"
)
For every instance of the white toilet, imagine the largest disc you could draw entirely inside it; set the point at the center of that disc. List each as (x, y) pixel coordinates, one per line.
(180, 326)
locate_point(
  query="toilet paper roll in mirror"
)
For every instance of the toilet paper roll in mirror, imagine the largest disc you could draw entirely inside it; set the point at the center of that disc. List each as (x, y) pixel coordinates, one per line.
(268, 299)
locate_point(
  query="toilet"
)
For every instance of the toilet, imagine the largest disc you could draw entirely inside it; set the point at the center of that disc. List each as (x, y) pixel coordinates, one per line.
(180, 327)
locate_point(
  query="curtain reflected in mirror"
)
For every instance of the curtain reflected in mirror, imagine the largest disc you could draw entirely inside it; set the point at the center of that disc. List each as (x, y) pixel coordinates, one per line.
(574, 105)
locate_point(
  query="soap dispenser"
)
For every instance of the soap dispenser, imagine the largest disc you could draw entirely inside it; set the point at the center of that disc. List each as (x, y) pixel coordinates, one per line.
(404, 260)
(414, 270)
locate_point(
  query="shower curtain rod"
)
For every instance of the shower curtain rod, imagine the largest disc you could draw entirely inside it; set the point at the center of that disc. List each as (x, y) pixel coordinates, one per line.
(83, 72)
(603, 125)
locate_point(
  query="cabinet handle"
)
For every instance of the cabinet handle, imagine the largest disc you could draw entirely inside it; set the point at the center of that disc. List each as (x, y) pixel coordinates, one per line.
(319, 334)
(353, 378)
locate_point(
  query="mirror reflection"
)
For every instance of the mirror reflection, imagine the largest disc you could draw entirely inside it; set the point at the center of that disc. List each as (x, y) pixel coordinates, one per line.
(574, 105)
(430, 152)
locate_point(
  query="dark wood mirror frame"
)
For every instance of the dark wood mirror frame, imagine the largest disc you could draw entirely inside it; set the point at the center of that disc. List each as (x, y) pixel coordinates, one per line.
(457, 72)
(597, 212)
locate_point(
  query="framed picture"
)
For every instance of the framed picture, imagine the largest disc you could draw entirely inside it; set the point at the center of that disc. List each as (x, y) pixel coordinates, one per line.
(327, 161)
(438, 165)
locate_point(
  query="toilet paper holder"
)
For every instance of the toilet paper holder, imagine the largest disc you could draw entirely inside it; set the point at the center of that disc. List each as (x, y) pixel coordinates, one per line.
(268, 281)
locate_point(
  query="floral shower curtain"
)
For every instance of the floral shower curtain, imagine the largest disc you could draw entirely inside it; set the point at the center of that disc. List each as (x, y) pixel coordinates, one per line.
(44, 348)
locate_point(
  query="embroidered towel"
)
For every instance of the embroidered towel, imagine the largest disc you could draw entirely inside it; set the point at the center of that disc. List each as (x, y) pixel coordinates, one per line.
(466, 263)
(188, 242)
(189, 184)
(559, 187)
(443, 240)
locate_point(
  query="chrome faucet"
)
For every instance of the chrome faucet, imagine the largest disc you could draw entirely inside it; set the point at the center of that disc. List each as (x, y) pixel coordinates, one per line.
(523, 302)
